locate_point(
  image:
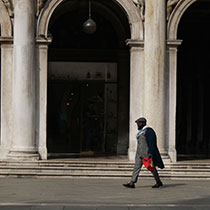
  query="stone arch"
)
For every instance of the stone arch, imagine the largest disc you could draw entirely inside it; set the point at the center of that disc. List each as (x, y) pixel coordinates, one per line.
(5, 21)
(175, 17)
(132, 12)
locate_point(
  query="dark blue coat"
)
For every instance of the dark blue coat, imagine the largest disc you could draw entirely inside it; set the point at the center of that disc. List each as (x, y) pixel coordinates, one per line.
(152, 147)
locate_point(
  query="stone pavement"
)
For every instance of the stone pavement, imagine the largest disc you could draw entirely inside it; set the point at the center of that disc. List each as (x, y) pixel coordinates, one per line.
(101, 194)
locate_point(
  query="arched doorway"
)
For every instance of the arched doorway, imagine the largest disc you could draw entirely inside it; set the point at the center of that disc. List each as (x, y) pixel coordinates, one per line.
(88, 80)
(193, 97)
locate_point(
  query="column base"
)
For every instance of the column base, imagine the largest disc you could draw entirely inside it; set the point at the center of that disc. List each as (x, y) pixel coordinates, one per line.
(172, 154)
(165, 156)
(131, 154)
(163, 152)
(23, 155)
(43, 153)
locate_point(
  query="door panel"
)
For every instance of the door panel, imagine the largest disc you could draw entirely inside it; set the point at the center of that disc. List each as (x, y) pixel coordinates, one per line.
(82, 116)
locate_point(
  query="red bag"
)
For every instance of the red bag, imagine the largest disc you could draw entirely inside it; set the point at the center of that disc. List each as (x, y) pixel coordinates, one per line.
(148, 163)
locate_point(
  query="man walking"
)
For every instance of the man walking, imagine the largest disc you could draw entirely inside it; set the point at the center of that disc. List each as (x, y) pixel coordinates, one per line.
(146, 146)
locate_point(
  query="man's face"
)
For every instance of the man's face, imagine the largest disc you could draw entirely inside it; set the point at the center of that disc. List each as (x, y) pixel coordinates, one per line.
(140, 125)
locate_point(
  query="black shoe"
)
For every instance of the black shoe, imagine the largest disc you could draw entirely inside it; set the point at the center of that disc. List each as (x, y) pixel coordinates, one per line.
(129, 185)
(157, 185)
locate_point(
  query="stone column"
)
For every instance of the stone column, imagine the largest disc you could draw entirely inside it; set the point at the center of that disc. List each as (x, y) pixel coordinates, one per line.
(171, 95)
(41, 94)
(6, 95)
(23, 146)
(136, 91)
(155, 75)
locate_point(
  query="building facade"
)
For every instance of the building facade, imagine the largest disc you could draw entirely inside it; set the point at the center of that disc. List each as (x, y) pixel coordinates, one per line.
(69, 86)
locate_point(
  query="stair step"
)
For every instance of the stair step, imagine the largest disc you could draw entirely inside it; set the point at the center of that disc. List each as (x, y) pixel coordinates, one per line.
(100, 169)
(74, 174)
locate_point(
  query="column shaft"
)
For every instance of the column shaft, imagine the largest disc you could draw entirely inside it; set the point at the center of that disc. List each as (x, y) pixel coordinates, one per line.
(41, 106)
(24, 80)
(155, 75)
(136, 92)
(6, 97)
(172, 46)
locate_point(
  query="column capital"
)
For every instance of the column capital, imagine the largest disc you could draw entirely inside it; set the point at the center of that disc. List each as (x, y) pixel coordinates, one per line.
(6, 40)
(43, 40)
(173, 43)
(135, 43)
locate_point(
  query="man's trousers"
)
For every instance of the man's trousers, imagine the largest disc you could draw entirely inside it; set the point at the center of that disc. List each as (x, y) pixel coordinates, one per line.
(137, 168)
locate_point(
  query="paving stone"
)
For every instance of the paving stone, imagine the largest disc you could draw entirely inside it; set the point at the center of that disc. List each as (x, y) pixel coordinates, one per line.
(15, 207)
(79, 208)
(113, 208)
(49, 207)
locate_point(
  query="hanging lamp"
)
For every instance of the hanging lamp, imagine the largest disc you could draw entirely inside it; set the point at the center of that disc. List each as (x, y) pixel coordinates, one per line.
(89, 25)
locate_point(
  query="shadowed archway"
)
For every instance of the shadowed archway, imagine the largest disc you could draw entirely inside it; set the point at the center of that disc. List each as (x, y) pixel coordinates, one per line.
(193, 116)
(70, 95)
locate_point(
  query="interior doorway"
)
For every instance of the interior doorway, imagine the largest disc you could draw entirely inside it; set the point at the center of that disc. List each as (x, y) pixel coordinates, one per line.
(76, 117)
(193, 96)
(82, 110)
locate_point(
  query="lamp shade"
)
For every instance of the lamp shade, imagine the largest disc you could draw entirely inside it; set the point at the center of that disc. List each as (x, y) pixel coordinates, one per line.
(89, 26)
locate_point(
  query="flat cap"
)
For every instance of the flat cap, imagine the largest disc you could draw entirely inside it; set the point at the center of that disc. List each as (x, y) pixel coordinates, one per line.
(141, 119)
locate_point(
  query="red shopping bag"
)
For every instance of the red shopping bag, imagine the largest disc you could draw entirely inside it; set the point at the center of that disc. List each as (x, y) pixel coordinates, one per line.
(148, 163)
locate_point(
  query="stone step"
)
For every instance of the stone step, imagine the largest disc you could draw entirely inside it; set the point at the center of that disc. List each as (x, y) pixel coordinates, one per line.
(99, 169)
(79, 170)
(76, 173)
(70, 164)
(71, 169)
(190, 166)
(87, 174)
